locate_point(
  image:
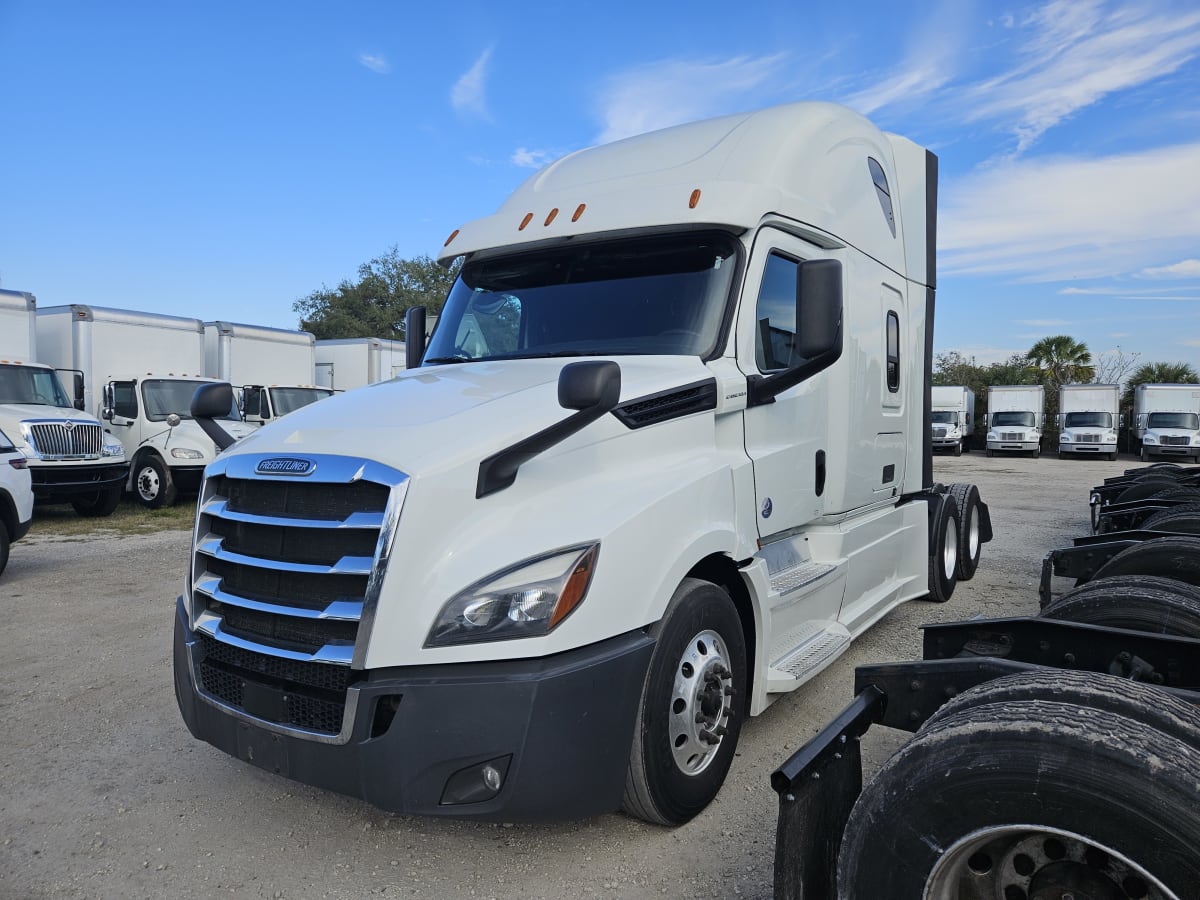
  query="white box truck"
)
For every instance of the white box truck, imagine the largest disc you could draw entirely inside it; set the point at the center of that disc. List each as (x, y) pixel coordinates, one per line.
(347, 363)
(665, 456)
(953, 418)
(272, 370)
(71, 457)
(140, 370)
(1089, 417)
(1166, 420)
(1016, 415)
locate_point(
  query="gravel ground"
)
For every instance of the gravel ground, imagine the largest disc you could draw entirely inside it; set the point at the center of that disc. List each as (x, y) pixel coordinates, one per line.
(105, 794)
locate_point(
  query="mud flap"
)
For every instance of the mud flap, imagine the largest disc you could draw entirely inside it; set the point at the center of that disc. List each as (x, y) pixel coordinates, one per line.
(817, 788)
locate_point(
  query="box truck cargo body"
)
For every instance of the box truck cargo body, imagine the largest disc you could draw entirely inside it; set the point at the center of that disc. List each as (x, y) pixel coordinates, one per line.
(1166, 419)
(347, 363)
(272, 370)
(139, 373)
(953, 417)
(1015, 418)
(1088, 419)
(71, 457)
(666, 454)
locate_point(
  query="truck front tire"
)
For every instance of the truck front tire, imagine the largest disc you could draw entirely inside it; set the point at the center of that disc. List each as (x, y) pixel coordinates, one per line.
(1028, 799)
(692, 706)
(152, 483)
(99, 505)
(4, 545)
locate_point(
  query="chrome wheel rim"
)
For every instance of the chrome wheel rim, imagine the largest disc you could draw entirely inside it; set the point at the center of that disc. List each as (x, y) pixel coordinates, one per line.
(699, 712)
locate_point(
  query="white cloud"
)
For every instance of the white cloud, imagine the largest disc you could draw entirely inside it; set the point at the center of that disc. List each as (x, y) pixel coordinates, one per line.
(1076, 53)
(530, 159)
(467, 95)
(1065, 218)
(1187, 268)
(375, 63)
(673, 91)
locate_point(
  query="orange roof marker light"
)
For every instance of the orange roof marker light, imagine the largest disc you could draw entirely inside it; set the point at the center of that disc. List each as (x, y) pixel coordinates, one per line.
(694, 201)
(550, 218)
(453, 235)
(578, 212)
(525, 221)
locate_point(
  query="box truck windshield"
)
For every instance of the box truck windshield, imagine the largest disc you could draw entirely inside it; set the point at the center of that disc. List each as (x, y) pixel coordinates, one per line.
(944, 417)
(40, 387)
(1014, 420)
(660, 295)
(1187, 421)
(166, 397)
(1088, 420)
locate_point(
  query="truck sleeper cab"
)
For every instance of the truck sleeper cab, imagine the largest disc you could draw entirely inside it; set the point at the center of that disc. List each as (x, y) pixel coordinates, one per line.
(621, 502)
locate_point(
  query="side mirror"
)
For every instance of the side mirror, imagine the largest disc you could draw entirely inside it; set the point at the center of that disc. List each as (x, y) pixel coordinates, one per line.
(107, 410)
(414, 337)
(77, 379)
(210, 401)
(585, 385)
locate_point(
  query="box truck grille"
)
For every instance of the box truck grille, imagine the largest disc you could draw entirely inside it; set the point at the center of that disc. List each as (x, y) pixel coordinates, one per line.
(1089, 439)
(1174, 440)
(1011, 436)
(66, 440)
(286, 572)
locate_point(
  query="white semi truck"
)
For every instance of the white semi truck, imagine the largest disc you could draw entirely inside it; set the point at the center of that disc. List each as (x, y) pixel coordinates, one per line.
(1166, 420)
(139, 373)
(953, 418)
(1016, 415)
(71, 458)
(665, 456)
(1088, 419)
(273, 370)
(347, 363)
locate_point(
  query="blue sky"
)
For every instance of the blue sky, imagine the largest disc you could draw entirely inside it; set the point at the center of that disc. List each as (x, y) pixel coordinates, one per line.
(221, 160)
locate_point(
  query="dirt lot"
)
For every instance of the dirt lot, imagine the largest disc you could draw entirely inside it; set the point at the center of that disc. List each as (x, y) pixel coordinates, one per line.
(105, 794)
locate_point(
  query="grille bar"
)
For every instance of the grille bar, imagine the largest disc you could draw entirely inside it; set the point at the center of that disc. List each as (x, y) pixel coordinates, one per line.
(221, 508)
(338, 610)
(210, 545)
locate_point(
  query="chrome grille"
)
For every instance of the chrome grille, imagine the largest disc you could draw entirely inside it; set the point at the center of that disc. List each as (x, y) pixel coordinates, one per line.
(66, 439)
(1088, 439)
(1011, 436)
(1172, 440)
(286, 571)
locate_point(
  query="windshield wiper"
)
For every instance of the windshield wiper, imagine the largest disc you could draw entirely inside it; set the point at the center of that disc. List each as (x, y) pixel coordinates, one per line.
(442, 360)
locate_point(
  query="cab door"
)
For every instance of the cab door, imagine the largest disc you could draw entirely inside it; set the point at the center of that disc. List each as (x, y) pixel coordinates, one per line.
(786, 438)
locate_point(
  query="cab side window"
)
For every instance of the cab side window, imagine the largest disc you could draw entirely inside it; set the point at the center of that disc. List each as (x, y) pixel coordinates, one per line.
(775, 338)
(125, 399)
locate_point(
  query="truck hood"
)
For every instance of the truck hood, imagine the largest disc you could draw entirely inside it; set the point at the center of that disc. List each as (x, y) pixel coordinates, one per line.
(25, 411)
(438, 417)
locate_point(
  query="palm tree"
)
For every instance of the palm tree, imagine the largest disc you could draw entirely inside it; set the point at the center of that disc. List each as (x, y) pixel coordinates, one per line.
(1062, 360)
(1158, 373)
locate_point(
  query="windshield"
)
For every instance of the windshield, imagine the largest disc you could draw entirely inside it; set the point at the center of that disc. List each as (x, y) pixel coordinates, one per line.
(647, 295)
(1010, 419)
(162, 397)
(26, 384)
(288, 399)
(1088, 420)
(1189, 421)
(941, 417)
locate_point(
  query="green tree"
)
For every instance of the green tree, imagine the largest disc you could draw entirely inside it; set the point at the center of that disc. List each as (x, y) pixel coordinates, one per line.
(1061, 360)
(375, 305)
(1157, 373)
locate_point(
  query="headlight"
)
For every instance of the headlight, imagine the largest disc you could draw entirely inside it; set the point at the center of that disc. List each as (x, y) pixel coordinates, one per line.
(112, 447)
(1065, 437)
(528, 600)
(186, 453)
(991, 436)
(1149, 439)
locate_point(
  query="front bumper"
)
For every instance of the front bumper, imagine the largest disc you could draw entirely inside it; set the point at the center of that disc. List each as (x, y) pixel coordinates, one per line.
(57, 483)
(1084, 449)
(563, 724)
(1019, 446)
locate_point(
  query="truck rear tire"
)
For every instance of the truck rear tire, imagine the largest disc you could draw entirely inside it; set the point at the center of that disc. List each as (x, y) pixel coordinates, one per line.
(1139, 603)
(1184, 517)
(99, 505)
(1111, 694)
(152, 483)
(1175, 557)
(692, 707)
(943, 551)
(1145, 487)
(970, 544)
(1028, 799)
